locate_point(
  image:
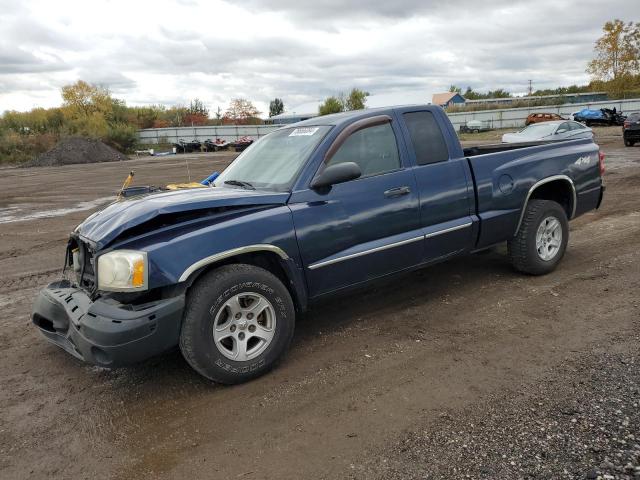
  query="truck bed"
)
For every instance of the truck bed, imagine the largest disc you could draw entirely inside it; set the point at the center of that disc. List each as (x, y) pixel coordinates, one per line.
(501, 147)
(503, 175)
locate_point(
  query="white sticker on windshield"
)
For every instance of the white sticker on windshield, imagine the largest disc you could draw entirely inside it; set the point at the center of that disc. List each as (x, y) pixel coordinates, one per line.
(304, 132)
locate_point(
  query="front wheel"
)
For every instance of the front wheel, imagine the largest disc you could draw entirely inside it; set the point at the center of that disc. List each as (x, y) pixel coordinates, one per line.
(238, 322)
(541, 241)
(629, 143)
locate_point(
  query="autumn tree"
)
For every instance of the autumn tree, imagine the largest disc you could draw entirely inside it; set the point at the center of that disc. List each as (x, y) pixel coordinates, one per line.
(87, 108)
(91, 111)
(617, 52)
(241, 111)
(83, 99)
(276, 107)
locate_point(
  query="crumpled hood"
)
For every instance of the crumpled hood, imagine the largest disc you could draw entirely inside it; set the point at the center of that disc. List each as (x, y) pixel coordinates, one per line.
(106, 225)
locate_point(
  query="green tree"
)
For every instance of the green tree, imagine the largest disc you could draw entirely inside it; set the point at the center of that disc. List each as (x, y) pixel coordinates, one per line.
(617, 51)
(355, 100)
(498, 93)
(276, 107)
(455, 89)
(331, 105)
(196, 107)
(470, 94)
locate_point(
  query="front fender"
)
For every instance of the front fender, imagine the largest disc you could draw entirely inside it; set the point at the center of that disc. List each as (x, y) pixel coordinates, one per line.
(175, 254)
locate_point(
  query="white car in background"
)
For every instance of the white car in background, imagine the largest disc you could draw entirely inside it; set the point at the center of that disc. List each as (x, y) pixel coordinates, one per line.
(549, 131)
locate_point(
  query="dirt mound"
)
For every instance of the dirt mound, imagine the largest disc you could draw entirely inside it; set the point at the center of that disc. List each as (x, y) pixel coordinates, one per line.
(71, 150)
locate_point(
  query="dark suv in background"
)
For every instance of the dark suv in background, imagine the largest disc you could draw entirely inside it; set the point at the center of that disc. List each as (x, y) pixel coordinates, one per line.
(631, 130)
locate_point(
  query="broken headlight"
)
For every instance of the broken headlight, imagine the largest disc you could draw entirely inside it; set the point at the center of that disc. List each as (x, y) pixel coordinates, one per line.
(123, 271)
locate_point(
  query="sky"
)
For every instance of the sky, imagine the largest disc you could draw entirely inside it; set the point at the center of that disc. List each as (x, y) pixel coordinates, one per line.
(171, 51)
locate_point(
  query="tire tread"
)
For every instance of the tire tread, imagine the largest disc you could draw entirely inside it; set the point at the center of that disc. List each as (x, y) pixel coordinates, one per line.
(198, 294)
(518, 247)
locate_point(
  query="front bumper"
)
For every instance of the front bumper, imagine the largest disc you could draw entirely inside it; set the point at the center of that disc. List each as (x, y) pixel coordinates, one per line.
(631, 134)
(105, 332)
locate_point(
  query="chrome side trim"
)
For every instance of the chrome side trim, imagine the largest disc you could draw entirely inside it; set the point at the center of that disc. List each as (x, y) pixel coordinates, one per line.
(262, 247)
(447, 230)
(542, 182)
(365, 252)
(584, 192)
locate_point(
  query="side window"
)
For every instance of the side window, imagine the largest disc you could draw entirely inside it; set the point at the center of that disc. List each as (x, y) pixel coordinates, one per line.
(374, 149)
(426, 138)
(564, 127)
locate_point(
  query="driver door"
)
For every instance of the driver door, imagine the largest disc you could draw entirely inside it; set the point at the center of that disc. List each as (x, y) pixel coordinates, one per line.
(364, 228)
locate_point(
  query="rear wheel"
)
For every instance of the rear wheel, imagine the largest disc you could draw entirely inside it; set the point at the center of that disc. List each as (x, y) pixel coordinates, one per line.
(542, 238)
(629, 143)
(238, 322)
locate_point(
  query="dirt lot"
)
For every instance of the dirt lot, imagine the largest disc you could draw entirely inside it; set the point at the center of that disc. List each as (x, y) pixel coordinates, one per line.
(446, 373)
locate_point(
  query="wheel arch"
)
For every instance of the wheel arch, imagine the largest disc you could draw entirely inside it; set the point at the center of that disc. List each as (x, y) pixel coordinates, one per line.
(557, 188)
(269, 257)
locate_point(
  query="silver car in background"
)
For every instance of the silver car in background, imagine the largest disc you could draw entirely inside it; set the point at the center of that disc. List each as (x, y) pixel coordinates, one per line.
(549, 131)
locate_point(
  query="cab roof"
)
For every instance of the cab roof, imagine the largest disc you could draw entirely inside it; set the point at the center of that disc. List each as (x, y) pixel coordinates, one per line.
(349, 117)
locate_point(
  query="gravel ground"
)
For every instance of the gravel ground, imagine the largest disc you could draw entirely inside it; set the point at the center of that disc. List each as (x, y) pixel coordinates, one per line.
(582, 424)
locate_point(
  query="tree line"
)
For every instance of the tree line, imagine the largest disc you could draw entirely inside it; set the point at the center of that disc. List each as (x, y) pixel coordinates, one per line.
(92, 111)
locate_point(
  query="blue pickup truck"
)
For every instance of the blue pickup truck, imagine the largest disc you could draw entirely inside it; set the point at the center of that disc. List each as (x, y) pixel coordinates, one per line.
(312, 209)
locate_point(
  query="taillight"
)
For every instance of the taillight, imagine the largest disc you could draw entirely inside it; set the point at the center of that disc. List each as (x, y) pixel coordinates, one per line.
(626, 124)
(601, 162)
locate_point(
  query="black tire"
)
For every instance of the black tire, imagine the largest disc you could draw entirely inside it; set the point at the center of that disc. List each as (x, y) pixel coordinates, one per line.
(629, 143)
(523, 253)
(207, 297)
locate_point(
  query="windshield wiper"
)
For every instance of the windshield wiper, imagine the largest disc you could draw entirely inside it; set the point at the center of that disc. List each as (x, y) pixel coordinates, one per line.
(240, 183)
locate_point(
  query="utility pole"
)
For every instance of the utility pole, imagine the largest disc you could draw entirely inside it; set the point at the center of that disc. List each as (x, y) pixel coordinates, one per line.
(530, 88)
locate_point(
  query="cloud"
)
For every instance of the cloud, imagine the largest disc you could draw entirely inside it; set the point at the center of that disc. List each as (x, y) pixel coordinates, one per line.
(175, 50)
(354, 11)
(15, 60)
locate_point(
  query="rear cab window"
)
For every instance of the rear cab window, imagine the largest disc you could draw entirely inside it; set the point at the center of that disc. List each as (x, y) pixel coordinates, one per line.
(428, 141)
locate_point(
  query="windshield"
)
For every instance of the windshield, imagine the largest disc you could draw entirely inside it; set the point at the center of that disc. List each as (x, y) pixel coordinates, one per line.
(538, 130)
(273, 162)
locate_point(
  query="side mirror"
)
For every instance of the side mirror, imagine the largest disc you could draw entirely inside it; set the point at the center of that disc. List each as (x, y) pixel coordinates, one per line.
(338, 173)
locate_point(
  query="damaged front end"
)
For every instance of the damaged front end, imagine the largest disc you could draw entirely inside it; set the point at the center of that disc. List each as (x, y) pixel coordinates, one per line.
(80, 259)
(108, 329)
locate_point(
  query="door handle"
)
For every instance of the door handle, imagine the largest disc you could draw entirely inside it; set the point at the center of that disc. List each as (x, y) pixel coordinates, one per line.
(396, 192)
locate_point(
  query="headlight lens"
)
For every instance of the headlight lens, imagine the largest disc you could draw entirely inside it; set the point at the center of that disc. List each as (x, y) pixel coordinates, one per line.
(123, 271)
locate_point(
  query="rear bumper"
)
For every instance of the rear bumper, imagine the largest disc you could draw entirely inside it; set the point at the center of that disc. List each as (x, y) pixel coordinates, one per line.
(602, 189)
(104, 332)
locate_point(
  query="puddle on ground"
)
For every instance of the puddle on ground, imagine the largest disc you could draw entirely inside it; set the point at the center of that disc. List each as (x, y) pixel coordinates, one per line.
(23, 213)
